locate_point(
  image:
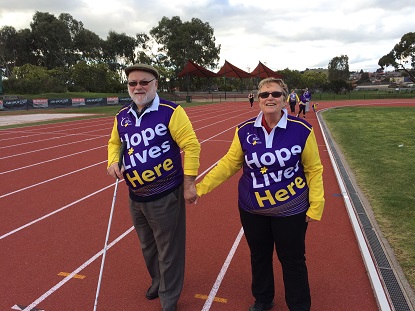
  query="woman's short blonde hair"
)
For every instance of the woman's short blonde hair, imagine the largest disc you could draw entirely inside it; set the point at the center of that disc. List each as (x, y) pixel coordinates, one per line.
(280, 82)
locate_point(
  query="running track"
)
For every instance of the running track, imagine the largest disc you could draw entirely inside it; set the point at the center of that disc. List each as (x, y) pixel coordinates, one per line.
(55, 200)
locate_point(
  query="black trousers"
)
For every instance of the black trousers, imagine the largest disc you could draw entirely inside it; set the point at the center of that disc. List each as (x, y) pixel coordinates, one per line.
(292, 106)
(302, 108)
(288, 236)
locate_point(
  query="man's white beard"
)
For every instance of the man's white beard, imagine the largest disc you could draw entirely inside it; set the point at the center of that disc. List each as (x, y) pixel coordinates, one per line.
(140, 100)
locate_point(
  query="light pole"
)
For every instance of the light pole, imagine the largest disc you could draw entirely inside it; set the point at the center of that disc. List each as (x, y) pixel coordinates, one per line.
(1, 81)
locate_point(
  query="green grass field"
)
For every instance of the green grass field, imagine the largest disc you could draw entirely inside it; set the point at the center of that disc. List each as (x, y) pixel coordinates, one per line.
(379, 146)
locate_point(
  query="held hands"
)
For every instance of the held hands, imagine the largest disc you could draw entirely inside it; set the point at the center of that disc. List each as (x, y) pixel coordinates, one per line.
(114, 171)
(190, 194)
(309, 219)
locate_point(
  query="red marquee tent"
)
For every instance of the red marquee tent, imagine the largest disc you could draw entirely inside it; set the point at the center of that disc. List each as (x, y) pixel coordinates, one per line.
(193, 69)
(262, 71)
(231, 71)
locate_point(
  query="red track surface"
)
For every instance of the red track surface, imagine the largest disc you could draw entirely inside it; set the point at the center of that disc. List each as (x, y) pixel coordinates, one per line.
(55, 200)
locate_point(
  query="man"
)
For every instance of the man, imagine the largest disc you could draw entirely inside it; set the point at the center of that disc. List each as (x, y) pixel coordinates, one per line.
(155, 130)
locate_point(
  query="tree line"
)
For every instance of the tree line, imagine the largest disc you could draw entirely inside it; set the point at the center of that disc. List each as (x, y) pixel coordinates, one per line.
(62, 53)
(58, 54)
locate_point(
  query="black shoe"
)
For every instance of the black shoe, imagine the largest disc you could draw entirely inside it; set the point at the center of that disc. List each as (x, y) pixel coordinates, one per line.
(152, 295)
(259, 306)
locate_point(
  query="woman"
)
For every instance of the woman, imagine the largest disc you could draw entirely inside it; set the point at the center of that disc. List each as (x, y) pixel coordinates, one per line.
(293, 100)
(251, 99)
(303, 103)
(279, 192)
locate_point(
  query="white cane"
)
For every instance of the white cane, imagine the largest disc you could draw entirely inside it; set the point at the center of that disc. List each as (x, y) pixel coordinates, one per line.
(120, 161)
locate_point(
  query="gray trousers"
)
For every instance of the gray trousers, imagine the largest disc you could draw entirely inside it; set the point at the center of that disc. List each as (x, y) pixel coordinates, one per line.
(161, 228)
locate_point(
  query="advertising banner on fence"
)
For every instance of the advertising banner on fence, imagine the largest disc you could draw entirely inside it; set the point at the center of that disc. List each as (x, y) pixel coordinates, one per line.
(76, 102)
(40, 103)
(18, 104)
(95, 101)
(112, 100)
(60, 102)
(124, 100)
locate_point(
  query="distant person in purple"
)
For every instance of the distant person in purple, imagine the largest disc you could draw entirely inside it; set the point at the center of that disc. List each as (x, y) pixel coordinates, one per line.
(302, 104)
(307, 94)
(292, 100)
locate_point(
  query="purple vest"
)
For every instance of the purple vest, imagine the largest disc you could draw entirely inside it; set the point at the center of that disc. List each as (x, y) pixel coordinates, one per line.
(152, 160)
(273, 181)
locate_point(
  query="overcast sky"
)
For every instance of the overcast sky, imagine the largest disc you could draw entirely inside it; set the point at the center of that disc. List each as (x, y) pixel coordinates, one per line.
(296, 34)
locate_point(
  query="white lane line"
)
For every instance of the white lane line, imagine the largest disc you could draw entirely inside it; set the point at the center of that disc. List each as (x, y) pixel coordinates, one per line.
(222, 272)
(43, 162)
(221, 121)
(47, 148)
(63, 136)
(55, 211)
(51, 179)
(79, 269)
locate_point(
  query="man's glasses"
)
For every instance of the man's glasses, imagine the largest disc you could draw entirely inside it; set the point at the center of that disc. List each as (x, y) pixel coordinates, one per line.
(142, 83)
(273, 94)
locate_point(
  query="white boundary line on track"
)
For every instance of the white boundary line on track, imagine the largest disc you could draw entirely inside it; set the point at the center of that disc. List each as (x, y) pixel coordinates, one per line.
(37, 150)
(222, 272)
(51, 179)
(54, 159)
(76, 271)
(374, 278)
(46, 139)
(55, 211)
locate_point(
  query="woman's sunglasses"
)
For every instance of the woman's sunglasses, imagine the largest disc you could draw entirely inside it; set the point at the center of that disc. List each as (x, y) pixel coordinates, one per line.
(273, 94)
(142, 83)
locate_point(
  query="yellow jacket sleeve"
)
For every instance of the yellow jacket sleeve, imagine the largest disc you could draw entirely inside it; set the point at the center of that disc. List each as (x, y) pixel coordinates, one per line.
(296, 98)
(313, 170)
(114, 145)
(227, 166)
(183, 134)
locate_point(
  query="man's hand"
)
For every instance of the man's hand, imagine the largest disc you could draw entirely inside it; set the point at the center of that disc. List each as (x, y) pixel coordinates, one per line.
(114, 171)
(190, 194)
